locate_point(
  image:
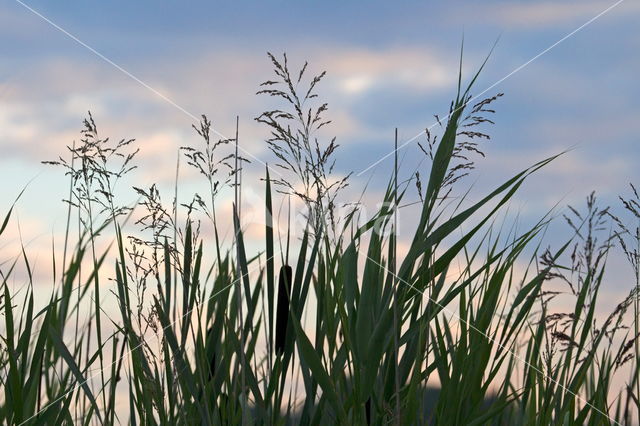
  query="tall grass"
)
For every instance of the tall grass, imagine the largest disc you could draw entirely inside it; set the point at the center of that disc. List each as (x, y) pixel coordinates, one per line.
(338, 327)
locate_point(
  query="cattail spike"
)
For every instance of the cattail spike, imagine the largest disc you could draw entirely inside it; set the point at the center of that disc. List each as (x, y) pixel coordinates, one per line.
(282, 312)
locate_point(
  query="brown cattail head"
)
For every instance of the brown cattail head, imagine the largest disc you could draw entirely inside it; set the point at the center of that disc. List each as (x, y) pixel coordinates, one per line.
(282, 312)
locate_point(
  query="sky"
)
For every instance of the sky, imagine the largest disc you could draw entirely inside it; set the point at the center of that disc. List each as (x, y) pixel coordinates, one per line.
(148, 70)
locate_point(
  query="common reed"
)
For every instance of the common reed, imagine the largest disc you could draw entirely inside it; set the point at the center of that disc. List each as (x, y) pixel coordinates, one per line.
(353, 332)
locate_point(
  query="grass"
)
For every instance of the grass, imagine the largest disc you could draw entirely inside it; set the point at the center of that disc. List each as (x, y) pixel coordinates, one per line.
(337, 327)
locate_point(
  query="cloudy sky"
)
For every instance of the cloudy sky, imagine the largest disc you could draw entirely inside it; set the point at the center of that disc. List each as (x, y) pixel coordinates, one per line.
(145, 69)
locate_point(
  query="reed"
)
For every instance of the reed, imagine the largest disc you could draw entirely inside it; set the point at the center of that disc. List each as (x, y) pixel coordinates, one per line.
(353, 333)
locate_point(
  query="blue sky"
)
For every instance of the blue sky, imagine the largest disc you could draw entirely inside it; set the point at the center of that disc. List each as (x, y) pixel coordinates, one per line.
(389, 64)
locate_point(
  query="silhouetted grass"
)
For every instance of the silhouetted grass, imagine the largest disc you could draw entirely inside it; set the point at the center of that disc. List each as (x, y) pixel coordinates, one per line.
(353, 333)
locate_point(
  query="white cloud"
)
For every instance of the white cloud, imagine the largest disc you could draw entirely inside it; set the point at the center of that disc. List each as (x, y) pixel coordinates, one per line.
(358, 70)
(43, 106)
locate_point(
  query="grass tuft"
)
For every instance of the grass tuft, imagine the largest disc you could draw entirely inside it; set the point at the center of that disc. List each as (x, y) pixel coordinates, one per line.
(475, 322)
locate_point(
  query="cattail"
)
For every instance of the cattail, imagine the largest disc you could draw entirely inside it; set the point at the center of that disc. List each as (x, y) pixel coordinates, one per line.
(282, 312)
